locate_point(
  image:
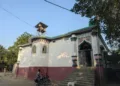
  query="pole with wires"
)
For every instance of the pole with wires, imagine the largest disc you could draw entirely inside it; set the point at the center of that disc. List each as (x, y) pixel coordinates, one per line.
(16, 16)
(57, 5)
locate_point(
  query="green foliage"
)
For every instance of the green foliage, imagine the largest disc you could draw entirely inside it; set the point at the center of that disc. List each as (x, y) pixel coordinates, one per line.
(12, 58)
(2, 53)
(13, 50)
(113, 59)
(9, 57)
(22, 39)
(106, 13)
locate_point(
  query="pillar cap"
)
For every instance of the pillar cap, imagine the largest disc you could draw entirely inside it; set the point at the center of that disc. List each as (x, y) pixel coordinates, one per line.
(73, 35)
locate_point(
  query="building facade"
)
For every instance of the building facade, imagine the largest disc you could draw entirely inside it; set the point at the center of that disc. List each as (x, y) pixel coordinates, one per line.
(61, 55)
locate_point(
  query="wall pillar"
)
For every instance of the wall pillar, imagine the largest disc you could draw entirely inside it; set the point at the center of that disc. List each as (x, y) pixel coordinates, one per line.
(74, 52)
(95, 48)
(98, 61)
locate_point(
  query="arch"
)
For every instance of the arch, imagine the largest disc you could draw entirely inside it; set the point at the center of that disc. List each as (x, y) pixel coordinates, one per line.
(34, 49)
(44, 49)
(85, 53)
(85, 46)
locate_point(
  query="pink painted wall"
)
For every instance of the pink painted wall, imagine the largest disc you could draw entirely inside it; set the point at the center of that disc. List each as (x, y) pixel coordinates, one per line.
(55, 73)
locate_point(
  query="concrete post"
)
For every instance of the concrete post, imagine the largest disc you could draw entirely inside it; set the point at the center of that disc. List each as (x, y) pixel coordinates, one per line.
(17, 69)
(5, 71)
(74, 54)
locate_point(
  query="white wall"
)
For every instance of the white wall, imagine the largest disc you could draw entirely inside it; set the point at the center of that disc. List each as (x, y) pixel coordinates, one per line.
(95, 45)
(60, 53)
(39, 58)
(29, 59)
(25, 56)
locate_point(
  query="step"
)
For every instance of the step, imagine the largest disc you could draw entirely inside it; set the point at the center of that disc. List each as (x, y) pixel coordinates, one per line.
(86, 73)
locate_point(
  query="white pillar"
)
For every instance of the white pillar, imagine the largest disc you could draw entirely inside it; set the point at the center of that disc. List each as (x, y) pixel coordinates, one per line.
(95, 46)
(98, 63)
(74, 52)
(19, 54)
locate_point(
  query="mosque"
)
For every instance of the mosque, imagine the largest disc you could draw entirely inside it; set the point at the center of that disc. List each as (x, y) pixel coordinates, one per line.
(59, 56)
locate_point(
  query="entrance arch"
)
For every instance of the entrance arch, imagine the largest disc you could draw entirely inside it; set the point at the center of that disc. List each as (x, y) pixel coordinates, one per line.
(85, 49)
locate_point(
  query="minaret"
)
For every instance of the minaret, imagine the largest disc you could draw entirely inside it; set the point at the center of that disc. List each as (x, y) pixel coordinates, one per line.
(41, 28)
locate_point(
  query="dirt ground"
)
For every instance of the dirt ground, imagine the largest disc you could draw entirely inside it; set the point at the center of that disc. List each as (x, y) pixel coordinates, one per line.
(10, 80)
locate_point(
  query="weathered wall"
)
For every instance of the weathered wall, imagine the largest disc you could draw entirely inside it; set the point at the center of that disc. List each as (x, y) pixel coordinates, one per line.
(39, 58)
(81, 38)
(85, 36)
(60, 53)
(25, 57)
(56, 60)
(60, 61)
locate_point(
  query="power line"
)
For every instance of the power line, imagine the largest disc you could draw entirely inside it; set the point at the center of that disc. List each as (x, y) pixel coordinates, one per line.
(15, 16)
(57, 5)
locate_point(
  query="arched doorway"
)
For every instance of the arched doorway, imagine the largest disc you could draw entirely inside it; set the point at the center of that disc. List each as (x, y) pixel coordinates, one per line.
(85, 54)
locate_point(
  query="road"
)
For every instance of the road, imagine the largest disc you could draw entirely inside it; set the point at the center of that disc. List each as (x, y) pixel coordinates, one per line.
(10, 80)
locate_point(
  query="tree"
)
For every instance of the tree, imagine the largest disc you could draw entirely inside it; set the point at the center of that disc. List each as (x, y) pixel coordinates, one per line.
(13, 50)
(2, 53)
(11, 57)
(105, 13)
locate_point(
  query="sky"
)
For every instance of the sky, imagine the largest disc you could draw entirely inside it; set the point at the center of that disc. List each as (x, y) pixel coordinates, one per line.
(59, 21)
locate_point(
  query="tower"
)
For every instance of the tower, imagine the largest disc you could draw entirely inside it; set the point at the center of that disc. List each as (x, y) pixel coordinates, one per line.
(41, 28)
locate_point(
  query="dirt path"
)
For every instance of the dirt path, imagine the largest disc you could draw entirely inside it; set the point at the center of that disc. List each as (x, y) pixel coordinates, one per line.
(10, 80)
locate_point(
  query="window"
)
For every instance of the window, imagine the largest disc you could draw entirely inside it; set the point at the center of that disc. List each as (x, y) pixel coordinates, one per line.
(44, 49)
(34, 49)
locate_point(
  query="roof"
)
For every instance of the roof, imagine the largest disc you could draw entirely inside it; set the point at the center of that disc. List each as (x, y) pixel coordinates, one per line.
(24, 45)
(79, 31)
(43, 25)
(76, 32)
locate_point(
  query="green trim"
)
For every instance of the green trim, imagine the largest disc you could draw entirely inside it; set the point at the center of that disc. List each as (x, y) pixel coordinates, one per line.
(83, 30)
(25, 45)
(79, 31)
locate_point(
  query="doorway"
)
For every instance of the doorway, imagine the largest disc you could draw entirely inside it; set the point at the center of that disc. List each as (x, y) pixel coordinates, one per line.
(85, 54)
